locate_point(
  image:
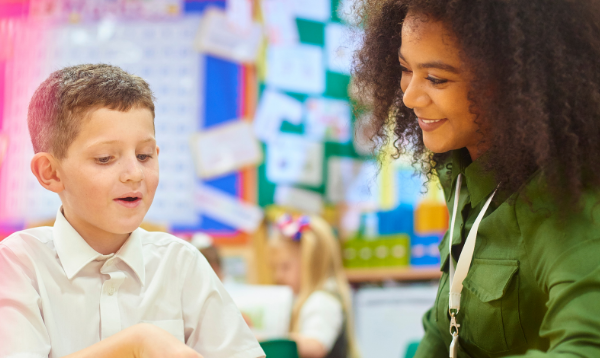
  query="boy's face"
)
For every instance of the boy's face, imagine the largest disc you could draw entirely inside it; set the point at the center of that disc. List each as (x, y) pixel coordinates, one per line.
(110, 173)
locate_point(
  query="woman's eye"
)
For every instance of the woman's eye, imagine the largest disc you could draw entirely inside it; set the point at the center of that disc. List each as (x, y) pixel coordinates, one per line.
(436, 81)
(103, 160)
(404, 69)
(143, 157)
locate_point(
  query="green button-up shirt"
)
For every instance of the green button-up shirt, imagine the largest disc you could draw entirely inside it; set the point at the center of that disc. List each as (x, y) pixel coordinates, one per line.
(533, 288)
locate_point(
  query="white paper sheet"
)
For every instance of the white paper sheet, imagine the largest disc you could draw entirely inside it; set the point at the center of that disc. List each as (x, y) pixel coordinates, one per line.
(317, 10)
(225, 148)
(293, 159)
(217, 36)
(239, 14)
(346, 11)
(340, 45)
(280, 22)
(228, 209)
(275, 107)
(296, 68)
(306, 201)
(352, 181)
(267, 308)
(328, 120)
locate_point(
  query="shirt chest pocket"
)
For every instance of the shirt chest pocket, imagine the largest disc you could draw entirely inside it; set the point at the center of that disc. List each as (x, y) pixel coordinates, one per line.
(490, 306)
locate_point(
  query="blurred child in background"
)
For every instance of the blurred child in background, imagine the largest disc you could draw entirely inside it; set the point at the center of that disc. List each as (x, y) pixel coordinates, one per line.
(306, 256)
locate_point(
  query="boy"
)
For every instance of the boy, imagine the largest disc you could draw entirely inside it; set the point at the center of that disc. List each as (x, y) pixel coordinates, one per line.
(96, 285)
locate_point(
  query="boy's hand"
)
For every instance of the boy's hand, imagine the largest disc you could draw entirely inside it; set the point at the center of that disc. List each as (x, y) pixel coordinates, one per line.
(155, 342)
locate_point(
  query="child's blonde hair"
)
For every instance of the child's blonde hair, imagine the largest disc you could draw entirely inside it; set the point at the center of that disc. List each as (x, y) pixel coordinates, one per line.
(321, 259)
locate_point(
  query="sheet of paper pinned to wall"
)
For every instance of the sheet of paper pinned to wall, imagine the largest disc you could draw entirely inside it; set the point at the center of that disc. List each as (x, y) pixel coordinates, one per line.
(306, 201)
(352, 181)
(239, 14)
(346, 11)
(296, 68)
(225, 148)
(317, 10)
(294, 159)
(267, 309)
(274, 108)
(280, 22)
(328, 120)
(227, 208)
(218, 36)
(341, 42)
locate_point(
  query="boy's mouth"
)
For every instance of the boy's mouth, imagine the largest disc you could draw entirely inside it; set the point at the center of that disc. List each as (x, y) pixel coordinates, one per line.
(129, 200)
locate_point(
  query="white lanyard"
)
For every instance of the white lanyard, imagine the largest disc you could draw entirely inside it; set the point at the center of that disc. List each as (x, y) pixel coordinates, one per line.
(462, 267)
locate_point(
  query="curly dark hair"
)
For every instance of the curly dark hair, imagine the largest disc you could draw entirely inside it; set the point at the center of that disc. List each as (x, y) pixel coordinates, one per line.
(540, 57)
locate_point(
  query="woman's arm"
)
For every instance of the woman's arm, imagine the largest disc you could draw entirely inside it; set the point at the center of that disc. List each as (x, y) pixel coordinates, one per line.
(139, 341)
(571, 275)
(432, 345)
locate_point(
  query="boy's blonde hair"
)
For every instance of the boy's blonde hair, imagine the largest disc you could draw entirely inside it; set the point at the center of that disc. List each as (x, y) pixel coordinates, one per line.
(321, 259)
(63, 100)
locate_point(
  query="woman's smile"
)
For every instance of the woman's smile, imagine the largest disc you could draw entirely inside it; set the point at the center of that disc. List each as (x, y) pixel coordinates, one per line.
(428, 125)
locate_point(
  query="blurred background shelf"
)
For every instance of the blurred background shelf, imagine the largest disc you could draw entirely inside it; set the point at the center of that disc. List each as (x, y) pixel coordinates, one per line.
(398, 274)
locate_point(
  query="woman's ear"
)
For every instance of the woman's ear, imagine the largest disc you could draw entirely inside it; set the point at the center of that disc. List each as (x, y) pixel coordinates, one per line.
(44, 166)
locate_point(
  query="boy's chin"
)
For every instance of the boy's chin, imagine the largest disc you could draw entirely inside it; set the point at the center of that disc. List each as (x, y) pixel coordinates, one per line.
(126, 226)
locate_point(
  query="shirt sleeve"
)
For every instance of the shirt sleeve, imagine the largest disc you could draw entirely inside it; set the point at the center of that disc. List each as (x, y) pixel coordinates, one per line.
(214, 326)
(571, 276)
(321, 318)
(22, 330)
(432, 345)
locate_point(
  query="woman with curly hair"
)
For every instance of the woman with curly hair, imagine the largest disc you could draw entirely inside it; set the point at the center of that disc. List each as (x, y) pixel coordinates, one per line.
(500, 99)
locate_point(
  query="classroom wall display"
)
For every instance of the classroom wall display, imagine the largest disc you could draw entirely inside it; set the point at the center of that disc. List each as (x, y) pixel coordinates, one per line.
(156, 45)
(262, 122)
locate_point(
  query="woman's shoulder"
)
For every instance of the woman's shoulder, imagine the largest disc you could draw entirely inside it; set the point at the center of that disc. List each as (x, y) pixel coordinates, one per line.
(535, 206)
(552, 235)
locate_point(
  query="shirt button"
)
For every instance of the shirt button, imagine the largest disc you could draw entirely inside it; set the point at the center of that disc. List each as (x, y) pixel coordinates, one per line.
(111, 291)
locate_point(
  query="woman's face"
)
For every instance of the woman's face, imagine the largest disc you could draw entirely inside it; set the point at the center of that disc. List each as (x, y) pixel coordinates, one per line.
(436, 85)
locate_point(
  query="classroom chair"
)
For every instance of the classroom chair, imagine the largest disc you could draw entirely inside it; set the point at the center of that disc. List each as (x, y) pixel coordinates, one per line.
(280, 348)
(411, 350)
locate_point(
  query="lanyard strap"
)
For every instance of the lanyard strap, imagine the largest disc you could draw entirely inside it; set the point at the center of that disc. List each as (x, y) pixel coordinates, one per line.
(464, 262)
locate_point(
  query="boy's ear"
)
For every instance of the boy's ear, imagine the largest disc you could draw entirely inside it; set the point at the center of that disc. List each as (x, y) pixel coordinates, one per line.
(44, 167)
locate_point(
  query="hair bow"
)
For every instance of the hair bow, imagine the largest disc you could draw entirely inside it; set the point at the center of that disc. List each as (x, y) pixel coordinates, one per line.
(293, 228)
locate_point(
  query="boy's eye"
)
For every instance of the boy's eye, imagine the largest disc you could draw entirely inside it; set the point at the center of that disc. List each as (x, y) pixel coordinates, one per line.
(143, 157)
(103, 160)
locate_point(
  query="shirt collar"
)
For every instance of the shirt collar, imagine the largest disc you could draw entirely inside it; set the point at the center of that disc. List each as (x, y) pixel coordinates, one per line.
(480, 182)
(75, 253)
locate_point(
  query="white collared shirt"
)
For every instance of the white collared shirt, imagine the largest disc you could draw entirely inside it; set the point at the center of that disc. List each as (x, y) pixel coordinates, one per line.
(58, 295)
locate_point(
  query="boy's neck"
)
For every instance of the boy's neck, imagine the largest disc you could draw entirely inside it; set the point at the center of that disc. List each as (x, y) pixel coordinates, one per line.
(101, 241)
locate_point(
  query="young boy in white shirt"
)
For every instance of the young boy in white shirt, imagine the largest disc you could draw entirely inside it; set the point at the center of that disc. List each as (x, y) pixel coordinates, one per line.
(95, 284)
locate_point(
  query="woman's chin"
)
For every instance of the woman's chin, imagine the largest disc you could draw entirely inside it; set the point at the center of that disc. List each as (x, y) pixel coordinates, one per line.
(437, 147)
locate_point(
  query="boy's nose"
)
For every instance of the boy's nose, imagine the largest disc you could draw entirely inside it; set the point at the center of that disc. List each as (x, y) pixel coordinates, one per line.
(132, 171)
